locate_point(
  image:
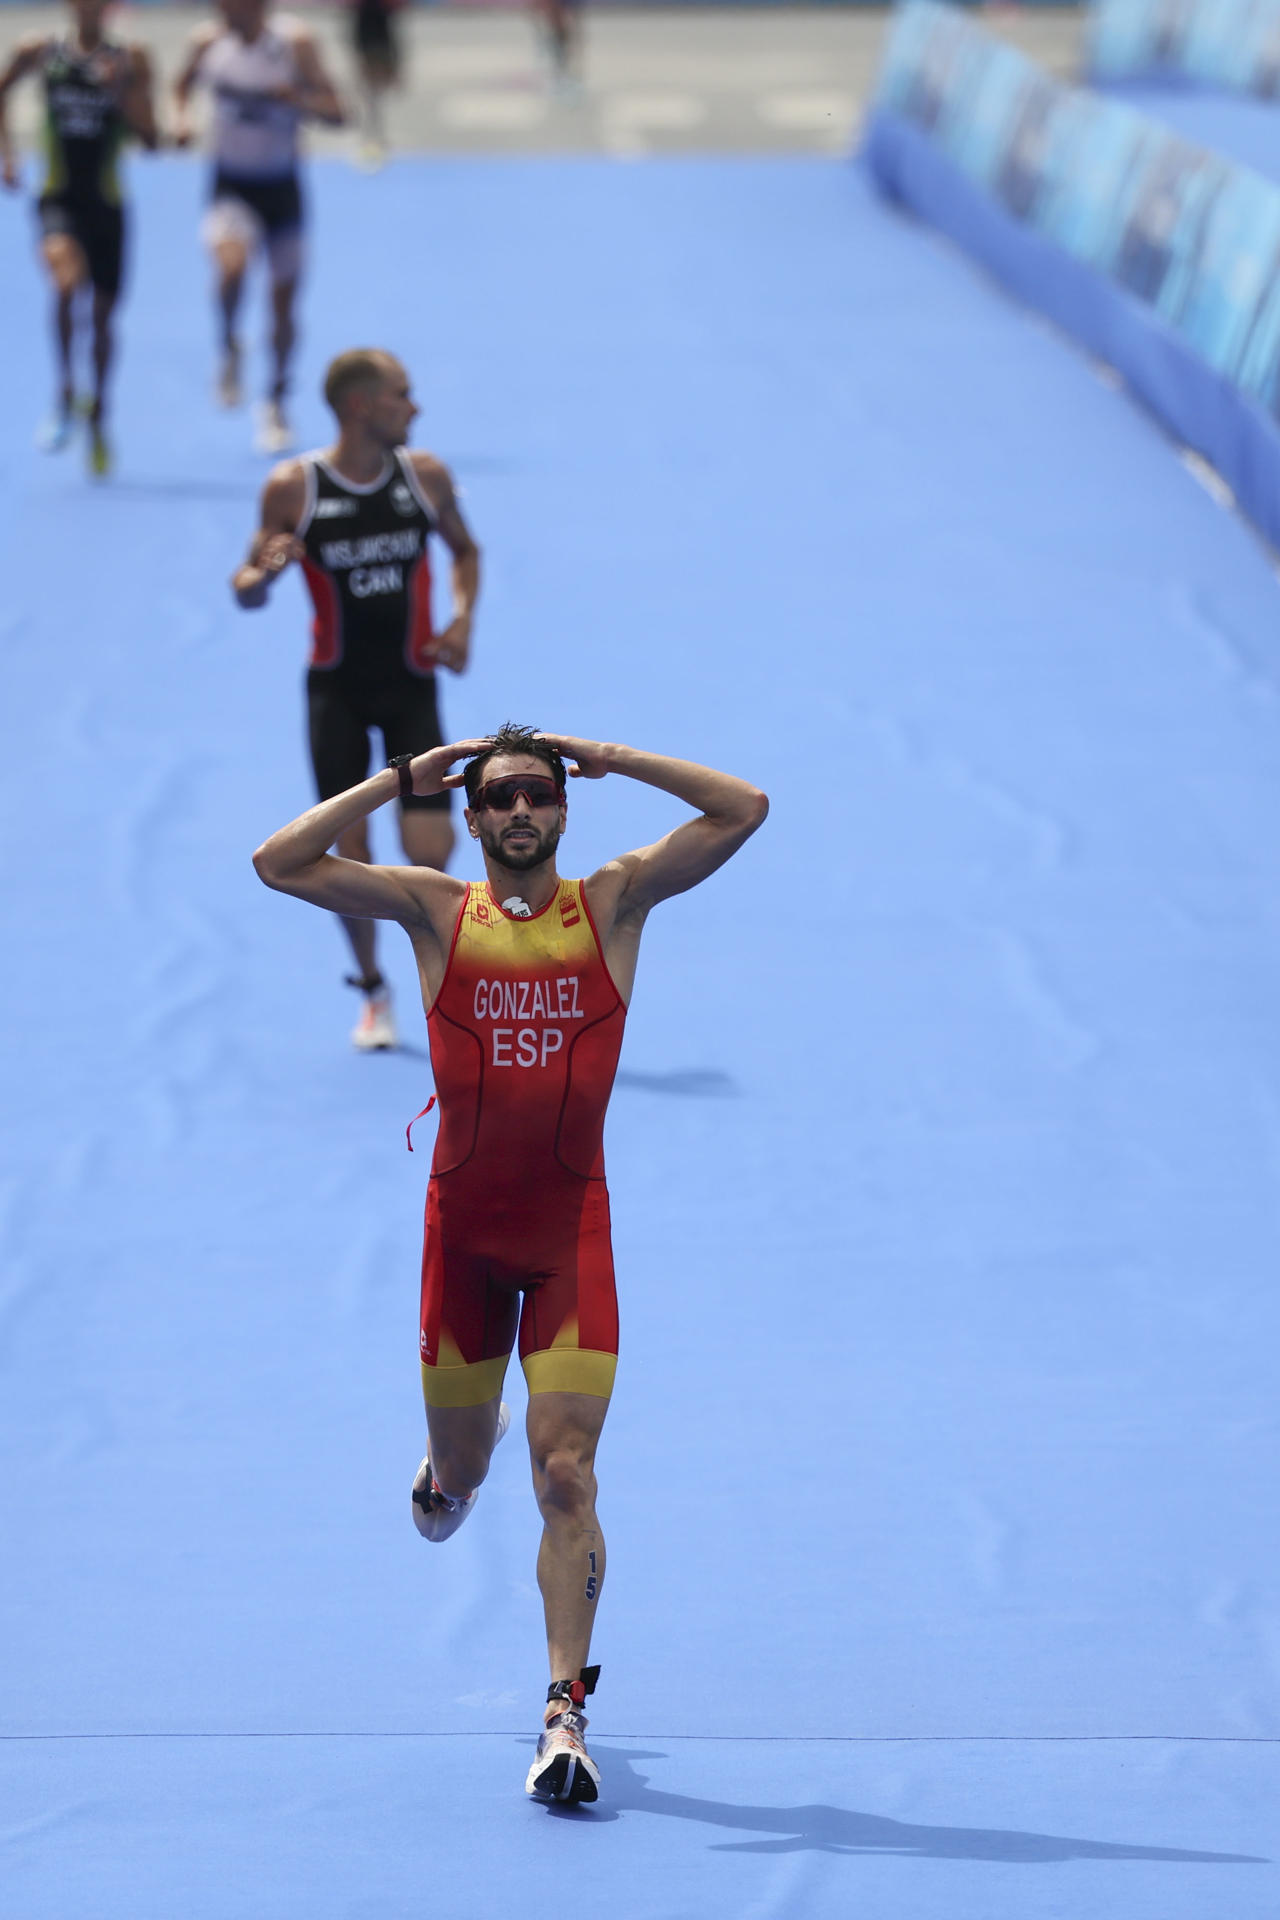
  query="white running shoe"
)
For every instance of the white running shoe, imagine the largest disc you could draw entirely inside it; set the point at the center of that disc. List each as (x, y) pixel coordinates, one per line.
(562, 1768)
(435, 1515)
(375, 1030)
(229, 391)
(55, 432)
(272, 433)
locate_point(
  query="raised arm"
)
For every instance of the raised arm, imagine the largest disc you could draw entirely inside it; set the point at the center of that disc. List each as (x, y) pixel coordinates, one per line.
(197, 46)
(729, 811)
(297, 859)
(275, 545)
(20, 62)
(316, 96)
(137, 102)
(453, 649)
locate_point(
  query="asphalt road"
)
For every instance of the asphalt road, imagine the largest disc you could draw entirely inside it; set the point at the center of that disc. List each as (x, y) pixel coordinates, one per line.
(653, 80)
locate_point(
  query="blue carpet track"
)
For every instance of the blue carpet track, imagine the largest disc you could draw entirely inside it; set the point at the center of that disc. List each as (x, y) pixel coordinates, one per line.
(939, 1483)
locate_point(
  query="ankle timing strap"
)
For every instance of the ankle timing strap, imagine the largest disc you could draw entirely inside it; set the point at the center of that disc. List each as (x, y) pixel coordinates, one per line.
(366, 982)
(574, 1692)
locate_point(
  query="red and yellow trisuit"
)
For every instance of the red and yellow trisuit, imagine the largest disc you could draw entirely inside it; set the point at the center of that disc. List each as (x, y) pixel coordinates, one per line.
(525, 1033)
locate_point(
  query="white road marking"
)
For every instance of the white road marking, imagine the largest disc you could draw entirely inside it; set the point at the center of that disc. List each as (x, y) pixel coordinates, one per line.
(666, 111)
(489, 111)
(623, 144)
(1210, 479)
(807, 110)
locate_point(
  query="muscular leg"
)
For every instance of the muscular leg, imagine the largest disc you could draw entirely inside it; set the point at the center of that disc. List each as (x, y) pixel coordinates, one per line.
(67, 268)
(363, 934)
(563, 1430)
(104, 305)
(560, 22)
(461, 1441)
(338, 741)
(64, 329)
(283, 334)
(231, 258)
(427, 836)
(376, 77)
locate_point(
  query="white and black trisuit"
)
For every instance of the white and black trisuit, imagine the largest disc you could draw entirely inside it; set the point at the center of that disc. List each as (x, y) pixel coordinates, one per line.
(255, 194)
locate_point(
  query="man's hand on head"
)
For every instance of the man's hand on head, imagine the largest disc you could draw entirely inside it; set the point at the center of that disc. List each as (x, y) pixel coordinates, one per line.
(430, 771)
(590, 757)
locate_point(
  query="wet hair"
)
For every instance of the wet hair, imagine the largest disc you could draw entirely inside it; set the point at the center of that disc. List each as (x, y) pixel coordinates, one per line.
(512, 739)
(357, 367)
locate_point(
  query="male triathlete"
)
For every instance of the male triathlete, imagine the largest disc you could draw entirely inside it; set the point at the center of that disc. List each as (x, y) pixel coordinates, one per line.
(561, 23)
(358, 517)
(525, 978)
(264, 81)
(377, 50)
(97, 92)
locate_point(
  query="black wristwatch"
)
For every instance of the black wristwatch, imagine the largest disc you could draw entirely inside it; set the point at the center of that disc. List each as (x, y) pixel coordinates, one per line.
(400, 761)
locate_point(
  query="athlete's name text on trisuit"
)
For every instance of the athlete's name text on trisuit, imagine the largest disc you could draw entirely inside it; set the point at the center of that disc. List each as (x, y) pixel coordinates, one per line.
(371, 561)
(404, 544)
(515, 1000)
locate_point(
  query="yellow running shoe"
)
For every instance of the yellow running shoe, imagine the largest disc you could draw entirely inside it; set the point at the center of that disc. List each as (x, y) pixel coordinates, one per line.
(99, 451)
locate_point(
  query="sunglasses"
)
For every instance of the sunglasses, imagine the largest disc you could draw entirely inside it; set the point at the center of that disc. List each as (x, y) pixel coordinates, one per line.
(499, 796)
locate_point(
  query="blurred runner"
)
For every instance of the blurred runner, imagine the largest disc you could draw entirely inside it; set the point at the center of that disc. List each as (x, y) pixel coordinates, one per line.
(97, 92)
(358, 518)
(377, 48)
(265, 79)
(562, 27)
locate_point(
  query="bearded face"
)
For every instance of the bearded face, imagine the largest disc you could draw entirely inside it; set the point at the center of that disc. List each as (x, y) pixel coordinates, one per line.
(519, 835)
(519, 840)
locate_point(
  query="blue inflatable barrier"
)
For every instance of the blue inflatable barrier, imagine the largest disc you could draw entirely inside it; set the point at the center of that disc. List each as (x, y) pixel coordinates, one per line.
(1161, 257)
(1238, 126)
(1231, 44)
